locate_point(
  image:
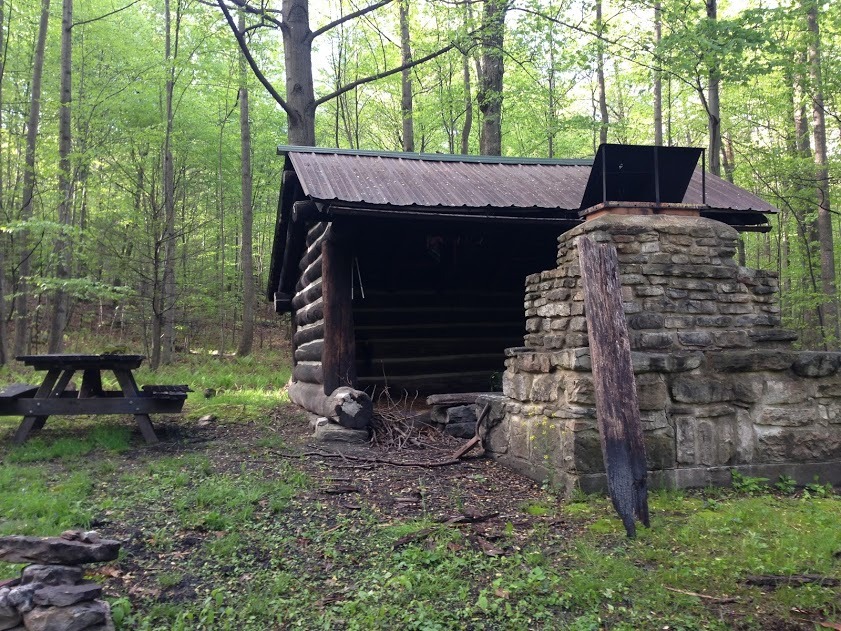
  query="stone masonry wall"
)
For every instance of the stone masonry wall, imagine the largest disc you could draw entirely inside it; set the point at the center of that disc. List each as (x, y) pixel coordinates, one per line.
(719, 386)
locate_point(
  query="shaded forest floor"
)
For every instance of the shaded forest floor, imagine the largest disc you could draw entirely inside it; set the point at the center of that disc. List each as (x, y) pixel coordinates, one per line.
(244, 523)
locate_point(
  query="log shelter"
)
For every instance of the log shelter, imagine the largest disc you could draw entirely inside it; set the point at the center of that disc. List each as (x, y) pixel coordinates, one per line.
(406, 271)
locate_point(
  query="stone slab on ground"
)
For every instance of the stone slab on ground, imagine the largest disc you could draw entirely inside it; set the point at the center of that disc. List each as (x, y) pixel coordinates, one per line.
(328, 432)
(56, 551)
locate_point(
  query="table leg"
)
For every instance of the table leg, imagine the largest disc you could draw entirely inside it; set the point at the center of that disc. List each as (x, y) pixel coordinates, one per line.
(129, 387)
(30, 423)
(91, 384)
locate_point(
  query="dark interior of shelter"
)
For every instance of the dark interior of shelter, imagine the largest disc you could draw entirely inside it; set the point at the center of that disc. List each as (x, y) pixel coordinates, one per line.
(436, 303)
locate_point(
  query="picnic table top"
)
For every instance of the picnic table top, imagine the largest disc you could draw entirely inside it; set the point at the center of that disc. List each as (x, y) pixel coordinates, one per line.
(82, 362)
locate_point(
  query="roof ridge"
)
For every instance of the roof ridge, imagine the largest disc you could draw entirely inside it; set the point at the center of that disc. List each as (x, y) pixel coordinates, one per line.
(284, 150)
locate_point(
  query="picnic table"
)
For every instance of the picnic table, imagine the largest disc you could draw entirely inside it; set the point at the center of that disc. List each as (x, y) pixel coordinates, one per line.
(37, 403)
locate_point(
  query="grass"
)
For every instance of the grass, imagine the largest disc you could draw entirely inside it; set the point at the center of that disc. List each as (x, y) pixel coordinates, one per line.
(229, 536)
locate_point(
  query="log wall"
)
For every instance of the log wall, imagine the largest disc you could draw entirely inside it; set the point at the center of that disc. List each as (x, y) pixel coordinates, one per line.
(307, 303)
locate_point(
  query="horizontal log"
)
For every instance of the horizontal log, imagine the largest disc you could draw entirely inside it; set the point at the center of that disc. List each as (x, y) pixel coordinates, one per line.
(310, 293)
(438, 330)
(346, 406)
(431, 382)
(311, 273)
(309, 333)
(316, 231)
(491, 362)
(312, 252)
(457, 398)
(309, 352)
(427, 315)
(418, 346)
(310, 372)
(313, 312)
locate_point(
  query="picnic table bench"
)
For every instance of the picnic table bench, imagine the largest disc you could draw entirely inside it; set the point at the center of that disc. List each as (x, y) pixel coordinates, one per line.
(37, 403)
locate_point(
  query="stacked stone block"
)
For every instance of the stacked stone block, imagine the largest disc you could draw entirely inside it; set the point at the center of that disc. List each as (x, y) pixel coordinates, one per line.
(50, 594)
(681, 288)
(719, 386)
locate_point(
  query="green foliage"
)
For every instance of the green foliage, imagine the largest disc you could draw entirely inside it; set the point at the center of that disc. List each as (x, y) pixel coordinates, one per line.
(748, 485)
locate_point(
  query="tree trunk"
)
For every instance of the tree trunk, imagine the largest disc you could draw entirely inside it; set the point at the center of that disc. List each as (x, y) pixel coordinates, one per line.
(468, 96)
(468, 105)
(602, 91)
(25, 266)
(248, 290)
(406, 109)
(713, 104)
(4, 347)
(489, 93)
(825, 239)
(297, 51)
(168, 331)
(658, 77)
(65, 181)
(813, 330)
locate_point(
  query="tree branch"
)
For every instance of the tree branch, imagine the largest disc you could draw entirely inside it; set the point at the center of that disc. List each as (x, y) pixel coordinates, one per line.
(383, 75)
(349, 16)
(253, 64)
(106, 15)
(242, 4)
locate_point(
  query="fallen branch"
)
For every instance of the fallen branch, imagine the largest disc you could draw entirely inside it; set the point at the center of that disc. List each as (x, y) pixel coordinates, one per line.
(718, 599)
(386, 461)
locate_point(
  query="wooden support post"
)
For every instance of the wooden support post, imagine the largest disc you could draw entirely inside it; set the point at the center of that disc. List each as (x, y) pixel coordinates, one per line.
(339, 351)
(617, 407)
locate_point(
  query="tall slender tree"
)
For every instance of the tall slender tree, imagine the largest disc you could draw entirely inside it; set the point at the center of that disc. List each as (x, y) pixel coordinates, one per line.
(825, 236)
(65, 181)
(406, 107)
(246, 339)
(26, 248)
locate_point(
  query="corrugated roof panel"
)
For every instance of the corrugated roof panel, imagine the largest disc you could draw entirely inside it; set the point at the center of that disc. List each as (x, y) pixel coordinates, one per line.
(392, 180)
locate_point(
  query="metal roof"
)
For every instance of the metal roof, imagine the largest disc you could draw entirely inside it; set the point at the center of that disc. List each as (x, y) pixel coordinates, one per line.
(443, 181)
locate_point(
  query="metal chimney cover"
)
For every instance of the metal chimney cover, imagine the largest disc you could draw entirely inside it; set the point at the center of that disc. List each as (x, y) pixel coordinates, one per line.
(640, 173)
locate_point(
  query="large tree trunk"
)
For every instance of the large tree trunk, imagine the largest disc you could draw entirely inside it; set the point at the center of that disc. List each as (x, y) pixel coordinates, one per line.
(4, 347)
(490, 78)
(297, 50)
(600, 82)
(65, 181)
(406, 109)
(248, 293)
(25, 266)
(658, 77)
(827, 249)
(713, 104)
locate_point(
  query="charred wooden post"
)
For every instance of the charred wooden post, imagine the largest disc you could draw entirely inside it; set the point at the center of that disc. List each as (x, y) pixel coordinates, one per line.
(617, 408)
(339, 351)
